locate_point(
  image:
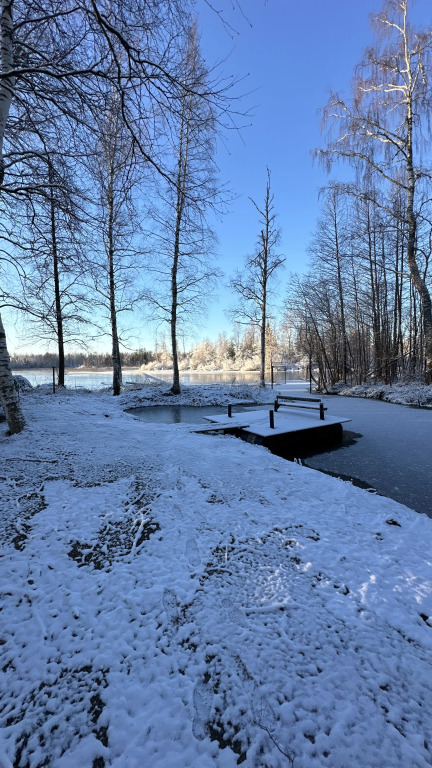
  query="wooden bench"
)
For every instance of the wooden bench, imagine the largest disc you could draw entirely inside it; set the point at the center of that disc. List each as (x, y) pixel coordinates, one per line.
(300, 402)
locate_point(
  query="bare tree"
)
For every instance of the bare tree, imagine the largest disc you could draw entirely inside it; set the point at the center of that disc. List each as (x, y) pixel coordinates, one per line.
(54, 54)
(253, 284)
(115, 173)
(8, 395)
(47, 256)
(329, 251)
(185, 241)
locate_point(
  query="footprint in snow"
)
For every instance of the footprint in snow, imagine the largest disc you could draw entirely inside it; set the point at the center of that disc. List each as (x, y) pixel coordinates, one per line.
(202, 701)
(192, 552)
(234, 614)
(169, 600)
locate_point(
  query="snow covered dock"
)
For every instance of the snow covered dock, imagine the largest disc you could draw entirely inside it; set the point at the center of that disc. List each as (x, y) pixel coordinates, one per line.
(292, 428)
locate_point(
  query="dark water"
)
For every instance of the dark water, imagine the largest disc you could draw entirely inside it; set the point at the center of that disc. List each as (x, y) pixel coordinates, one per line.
(176, 414)
(386, 447)
(311, 458)
(186, 414)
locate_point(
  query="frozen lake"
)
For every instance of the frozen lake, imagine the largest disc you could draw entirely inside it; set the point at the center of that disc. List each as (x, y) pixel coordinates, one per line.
(94, 379)
(76, 378)
(223, 377)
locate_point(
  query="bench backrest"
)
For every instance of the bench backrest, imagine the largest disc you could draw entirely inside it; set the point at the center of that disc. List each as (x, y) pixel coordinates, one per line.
(300, 402)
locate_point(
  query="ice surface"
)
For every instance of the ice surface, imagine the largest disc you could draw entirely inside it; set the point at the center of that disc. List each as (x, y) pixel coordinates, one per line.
(392, 450)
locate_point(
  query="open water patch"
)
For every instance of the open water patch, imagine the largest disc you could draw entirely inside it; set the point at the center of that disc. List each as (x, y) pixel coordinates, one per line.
(186, 414)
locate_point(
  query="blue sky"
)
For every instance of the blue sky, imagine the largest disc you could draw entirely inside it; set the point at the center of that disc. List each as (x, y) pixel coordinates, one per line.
(290, 54)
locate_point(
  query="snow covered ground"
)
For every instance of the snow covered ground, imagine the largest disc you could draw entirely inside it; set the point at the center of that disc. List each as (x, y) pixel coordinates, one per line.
(176, 600)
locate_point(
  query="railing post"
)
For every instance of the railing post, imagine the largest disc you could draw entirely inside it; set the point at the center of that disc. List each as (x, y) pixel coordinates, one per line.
(230, 411)
(322, 411)
(271, 415)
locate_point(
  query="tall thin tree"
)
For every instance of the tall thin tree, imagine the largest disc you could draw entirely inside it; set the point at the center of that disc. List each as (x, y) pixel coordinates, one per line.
(185, 241)
(252, 286)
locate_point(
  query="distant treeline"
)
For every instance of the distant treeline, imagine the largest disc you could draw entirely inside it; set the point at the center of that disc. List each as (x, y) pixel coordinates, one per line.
(240, 352)
(78, 359)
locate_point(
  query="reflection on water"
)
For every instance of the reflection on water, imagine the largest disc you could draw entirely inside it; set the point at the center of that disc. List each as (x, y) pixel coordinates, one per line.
(223, 377)
(185, 414)
(174, 414)
(74, 377)
(348, 438)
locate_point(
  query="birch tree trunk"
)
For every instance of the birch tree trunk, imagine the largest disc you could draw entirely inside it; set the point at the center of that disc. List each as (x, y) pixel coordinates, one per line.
(8, 394)
(180, 183)
(265, 243)
(175, 389)
(263, 341)
(341, 303)
(7, 86)
(57, 290)
(116, 359)
(416, 277)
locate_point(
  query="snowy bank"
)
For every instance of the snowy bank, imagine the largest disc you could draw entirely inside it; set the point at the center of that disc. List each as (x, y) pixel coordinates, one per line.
(174, 600)
(418, 395)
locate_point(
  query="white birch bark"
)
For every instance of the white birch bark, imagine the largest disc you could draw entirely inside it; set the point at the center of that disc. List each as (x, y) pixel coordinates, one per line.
(6, 85)
(8, 394)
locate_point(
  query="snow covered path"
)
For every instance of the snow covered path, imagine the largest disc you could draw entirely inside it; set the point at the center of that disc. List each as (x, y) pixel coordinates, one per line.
(172, 599)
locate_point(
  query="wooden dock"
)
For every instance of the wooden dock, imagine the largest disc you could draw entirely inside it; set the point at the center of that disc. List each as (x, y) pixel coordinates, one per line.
(291, 429)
